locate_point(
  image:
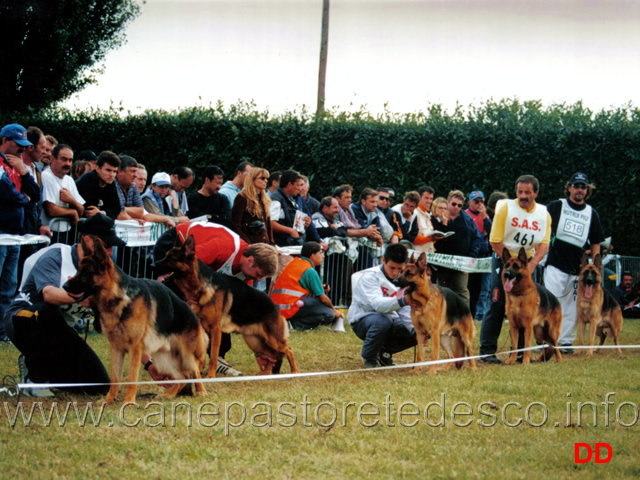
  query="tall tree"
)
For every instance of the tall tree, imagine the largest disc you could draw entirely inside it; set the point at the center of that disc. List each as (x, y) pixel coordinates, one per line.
(51, 49)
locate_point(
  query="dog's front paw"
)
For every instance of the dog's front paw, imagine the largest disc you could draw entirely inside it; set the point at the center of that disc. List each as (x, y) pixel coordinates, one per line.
(511, 361)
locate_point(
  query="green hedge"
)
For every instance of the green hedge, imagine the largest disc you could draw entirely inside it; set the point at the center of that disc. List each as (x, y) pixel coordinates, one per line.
(485, 147)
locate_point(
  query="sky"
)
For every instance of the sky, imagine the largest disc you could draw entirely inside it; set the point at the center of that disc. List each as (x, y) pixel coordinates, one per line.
(405, 54)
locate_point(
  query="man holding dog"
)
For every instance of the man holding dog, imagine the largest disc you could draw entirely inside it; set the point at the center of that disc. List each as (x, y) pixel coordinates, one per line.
(224, 251)
(380, 314)
(39, 321)
(517, 223)
(575, 227)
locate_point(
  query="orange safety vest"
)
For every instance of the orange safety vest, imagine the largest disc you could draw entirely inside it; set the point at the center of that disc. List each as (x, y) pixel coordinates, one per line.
(287, 290)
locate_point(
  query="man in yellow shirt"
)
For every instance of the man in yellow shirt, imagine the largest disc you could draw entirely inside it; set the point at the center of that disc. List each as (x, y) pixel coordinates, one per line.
(517, 223)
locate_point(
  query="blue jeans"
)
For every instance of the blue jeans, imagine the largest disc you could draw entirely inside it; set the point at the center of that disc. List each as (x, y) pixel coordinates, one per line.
(484, 299)
(311, 315)
(381, 333)
(9, 255)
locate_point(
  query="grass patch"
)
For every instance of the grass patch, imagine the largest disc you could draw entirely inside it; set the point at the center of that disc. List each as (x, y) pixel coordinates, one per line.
(362, 424)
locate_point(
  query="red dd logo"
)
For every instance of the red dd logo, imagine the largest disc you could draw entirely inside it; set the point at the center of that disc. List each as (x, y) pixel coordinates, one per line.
(585, 446)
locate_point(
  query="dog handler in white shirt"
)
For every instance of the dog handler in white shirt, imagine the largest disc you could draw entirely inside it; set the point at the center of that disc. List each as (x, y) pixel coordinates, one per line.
(380, 314)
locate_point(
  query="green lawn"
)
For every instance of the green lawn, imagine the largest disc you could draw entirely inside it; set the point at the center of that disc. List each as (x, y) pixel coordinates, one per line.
(362, 424)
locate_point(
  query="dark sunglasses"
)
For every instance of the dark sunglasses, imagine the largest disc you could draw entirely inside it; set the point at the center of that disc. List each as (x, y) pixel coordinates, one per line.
(459, 205)
(581, 186)
(263, 178)
(386, 199)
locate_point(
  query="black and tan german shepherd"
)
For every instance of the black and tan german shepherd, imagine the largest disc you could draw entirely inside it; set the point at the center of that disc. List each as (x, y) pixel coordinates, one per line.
(530, 306)
(139, 316)
(441, 314)
(596, 306)
(226, 304)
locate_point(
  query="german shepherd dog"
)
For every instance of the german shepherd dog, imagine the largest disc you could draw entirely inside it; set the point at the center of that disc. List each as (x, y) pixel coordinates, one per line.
(596, 306)
(139, 315)
(442, 314)
(530, 306)
(226, 304)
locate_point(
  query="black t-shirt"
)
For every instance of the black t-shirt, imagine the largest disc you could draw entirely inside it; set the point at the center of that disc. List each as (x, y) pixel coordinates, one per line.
(217, 206)
(563, 255)
(105, 197)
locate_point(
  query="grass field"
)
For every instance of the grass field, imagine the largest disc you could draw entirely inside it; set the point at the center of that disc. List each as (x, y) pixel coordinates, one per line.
(355, 425)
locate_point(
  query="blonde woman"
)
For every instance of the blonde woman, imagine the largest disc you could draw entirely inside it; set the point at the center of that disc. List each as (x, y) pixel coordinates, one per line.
(250, 213)
(439, 208)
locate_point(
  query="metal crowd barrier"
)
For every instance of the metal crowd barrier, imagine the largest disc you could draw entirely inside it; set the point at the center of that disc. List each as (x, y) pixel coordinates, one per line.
(135, 258)
(615, 265)
(341, 262)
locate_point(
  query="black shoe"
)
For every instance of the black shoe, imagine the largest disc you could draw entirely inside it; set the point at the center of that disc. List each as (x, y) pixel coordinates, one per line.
(519, 358)
(566, 350)
(491, 359)
(5, 339)
(385, 359)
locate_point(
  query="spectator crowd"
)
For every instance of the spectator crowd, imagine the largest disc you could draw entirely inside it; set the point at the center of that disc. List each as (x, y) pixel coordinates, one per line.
(48, 189)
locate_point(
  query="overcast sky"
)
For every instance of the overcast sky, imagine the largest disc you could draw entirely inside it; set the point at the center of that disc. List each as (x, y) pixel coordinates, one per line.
(407, 53)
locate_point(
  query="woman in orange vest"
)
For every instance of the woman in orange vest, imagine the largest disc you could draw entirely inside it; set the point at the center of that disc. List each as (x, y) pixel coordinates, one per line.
(299, 292)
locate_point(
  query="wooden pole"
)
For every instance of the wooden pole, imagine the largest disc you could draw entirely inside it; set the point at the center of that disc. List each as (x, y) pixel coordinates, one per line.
(324, 46)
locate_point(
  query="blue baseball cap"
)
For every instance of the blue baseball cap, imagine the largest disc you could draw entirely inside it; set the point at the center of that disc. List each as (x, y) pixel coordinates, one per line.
(17, 133)
(476, 194)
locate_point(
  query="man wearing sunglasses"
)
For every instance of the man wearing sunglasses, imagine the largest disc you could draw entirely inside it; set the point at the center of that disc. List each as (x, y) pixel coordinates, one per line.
(575, 227)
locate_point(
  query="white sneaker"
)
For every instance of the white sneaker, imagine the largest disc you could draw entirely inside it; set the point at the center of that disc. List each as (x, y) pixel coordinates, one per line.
(24, 378)
(225, 368)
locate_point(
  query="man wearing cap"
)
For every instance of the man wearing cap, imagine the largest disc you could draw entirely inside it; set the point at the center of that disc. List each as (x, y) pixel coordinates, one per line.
(155, 198)
(480, 283)
(575, 228)
(17, 189)
(41, 318)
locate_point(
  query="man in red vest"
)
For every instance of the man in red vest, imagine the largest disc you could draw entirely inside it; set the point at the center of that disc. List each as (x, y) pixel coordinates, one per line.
(299, 292)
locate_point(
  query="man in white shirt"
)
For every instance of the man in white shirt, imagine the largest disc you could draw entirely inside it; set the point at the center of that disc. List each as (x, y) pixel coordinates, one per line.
(60, 197)
(379, 313)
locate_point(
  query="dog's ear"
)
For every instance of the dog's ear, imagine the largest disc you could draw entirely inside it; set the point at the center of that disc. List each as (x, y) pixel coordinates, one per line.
(598, 261)
(506, 256)
(522, 256)
(190, 246)
(87, 245)
(585, 261)
(100, 253)
(411, 260)
(422, 262)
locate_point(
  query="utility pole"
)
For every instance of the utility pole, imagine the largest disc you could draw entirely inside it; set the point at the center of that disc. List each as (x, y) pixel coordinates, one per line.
(324, 46)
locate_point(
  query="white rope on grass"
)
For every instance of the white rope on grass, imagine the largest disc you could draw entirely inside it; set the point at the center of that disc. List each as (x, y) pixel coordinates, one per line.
(286, 376)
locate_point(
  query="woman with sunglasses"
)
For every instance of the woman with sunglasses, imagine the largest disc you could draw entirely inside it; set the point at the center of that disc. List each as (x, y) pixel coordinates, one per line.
(250, 216)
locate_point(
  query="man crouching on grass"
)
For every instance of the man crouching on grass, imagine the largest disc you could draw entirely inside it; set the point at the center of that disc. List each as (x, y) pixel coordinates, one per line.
(380, 314)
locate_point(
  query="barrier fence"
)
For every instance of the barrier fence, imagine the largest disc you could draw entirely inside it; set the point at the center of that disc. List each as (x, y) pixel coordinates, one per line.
(344, 257)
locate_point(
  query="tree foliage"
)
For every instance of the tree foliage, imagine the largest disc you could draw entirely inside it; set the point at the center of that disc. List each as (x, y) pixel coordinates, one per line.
(52, 49)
